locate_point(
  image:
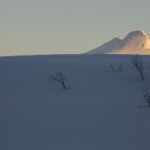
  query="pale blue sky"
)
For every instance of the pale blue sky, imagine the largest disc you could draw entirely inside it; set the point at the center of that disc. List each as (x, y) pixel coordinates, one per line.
(67, 26)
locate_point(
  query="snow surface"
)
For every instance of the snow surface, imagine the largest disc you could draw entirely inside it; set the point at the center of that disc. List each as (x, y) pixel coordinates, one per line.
(101, 110)
(136, 42)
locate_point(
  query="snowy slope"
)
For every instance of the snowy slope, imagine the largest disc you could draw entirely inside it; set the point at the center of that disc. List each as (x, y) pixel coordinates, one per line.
(136, 42)
(101, 110)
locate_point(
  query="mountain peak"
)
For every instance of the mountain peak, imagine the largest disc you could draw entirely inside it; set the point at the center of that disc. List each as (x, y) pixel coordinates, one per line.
(137, 33)
(136, 42)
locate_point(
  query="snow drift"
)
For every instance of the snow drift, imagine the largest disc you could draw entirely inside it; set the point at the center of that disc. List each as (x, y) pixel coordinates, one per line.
(102, 110)
(136, 42)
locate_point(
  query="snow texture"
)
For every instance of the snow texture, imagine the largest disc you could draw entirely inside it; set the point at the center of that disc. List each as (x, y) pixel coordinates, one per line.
(101, 110)
(136, 42)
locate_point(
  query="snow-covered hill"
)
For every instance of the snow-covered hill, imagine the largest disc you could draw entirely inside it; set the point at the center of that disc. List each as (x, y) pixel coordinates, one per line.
(101, 110)
(136, 42)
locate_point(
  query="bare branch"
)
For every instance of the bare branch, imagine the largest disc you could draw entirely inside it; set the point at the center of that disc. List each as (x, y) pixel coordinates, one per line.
(138, 64)
(120, 67)
(117, 68)
(59, 78)
(112, 68)
(146, 95)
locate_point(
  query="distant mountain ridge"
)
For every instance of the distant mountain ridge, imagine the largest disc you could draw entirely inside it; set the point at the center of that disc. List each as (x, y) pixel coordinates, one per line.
(136, 42)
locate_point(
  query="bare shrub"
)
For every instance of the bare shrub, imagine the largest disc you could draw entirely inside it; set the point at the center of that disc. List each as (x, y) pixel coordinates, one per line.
(112, 68)
(138, 64)
(120, 67)
(117, 68)
(59, 78)
(146, 94)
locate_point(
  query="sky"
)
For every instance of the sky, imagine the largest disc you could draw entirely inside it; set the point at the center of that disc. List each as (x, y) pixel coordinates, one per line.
(29, 27)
